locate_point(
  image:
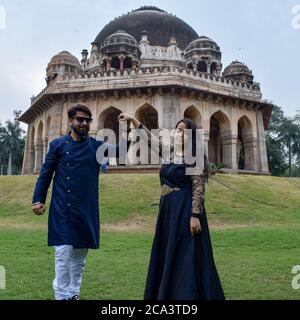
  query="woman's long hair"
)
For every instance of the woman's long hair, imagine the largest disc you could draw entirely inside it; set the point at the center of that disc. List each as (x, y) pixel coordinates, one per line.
(190, 124)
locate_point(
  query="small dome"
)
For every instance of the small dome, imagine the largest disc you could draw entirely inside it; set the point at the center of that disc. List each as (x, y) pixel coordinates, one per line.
(202, 43)
(118, 38)
(64, 57)
(120, 42)
(238, 71)
(62, 63)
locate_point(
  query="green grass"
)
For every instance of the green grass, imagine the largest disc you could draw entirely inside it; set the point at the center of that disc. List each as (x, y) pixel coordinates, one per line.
(255, 244)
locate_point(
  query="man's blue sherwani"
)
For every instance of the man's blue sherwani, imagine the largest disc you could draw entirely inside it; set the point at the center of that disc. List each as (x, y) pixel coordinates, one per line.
(74, 209)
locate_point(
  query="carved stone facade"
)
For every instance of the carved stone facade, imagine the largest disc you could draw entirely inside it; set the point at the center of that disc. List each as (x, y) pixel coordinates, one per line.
(159, 81)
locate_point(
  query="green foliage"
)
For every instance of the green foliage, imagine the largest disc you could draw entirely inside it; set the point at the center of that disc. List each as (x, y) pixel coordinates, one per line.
(283, 143)
(11, 146)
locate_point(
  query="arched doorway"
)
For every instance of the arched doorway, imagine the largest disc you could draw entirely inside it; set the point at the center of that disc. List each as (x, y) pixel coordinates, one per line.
(147, 115)
(108, 119)
(108, 126)
(245, 146)
(219, 145)
(194, 114)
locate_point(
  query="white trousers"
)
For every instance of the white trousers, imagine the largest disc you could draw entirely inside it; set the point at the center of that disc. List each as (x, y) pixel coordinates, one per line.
(69, 265)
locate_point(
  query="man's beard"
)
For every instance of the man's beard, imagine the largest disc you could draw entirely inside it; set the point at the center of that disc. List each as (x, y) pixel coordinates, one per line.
(82, 132)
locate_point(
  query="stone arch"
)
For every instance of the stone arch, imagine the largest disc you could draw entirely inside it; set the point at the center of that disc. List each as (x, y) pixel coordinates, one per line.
(194, 114)
(148, 115)
(108, 119)
(219, 145)
(245, 144)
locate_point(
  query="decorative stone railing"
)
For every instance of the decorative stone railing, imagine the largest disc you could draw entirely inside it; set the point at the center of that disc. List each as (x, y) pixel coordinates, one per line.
(131, 73)
(147, 73)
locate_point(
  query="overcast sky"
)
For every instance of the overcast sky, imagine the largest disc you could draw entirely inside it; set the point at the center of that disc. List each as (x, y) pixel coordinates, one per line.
(264, 34)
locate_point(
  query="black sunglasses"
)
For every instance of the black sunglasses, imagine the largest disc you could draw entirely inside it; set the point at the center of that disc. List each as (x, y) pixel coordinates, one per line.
(82, 119)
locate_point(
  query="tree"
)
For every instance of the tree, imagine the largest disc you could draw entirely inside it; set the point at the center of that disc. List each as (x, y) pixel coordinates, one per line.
(289, 134)
(283, 142)
(276, 158)
(11, 145)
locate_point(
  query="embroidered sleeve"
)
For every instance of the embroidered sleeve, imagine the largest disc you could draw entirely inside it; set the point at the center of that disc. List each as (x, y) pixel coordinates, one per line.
(198, 196)
(155, 143)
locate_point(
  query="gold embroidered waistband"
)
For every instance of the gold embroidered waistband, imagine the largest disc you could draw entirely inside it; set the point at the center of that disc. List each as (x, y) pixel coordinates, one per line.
(165, 189)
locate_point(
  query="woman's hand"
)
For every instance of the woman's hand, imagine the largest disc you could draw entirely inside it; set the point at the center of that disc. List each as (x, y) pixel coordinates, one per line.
(195, 226)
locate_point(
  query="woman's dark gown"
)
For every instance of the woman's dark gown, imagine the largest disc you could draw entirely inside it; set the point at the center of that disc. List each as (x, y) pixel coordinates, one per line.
(181, 266)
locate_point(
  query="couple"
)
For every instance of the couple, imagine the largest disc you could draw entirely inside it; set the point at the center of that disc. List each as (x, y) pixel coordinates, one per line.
(181, 265)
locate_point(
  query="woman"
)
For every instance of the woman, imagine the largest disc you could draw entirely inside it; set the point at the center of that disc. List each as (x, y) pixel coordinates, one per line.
(181, 265)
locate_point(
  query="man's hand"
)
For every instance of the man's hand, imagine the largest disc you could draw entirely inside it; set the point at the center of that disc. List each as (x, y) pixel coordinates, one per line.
(125, 117)
(195, 226)
(38, 209)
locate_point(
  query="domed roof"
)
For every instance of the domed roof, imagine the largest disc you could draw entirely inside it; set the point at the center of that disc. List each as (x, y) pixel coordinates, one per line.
(160, 25)
(64, 57)
(120, 37)
(239, 71)
(203, 43)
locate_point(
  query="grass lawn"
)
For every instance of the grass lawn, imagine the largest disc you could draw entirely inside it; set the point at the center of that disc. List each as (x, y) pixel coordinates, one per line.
(254, 227)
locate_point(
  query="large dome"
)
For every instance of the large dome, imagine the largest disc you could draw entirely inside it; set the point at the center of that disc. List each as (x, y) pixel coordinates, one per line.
(160, 25)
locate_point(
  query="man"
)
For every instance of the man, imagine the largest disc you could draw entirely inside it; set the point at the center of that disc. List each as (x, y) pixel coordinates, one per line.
(73, 224)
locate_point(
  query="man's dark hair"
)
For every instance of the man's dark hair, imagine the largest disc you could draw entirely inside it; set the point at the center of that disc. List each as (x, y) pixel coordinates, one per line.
(79, 107)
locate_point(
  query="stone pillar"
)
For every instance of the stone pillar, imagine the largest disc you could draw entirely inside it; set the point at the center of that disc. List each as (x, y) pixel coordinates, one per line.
(26, 157)
(38, 150)
(45, 148)
(121, 62)
(234, 163)
(56, 120)
(206, 139)
(226, 142)
(208, 64)
(108, 64)
(134, 64)
(29, 155)
(31, 160)
(261, 144)
(249, 146)
(171, 110)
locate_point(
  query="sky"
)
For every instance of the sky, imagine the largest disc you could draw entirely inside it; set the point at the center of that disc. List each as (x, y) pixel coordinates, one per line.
(264, 34)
